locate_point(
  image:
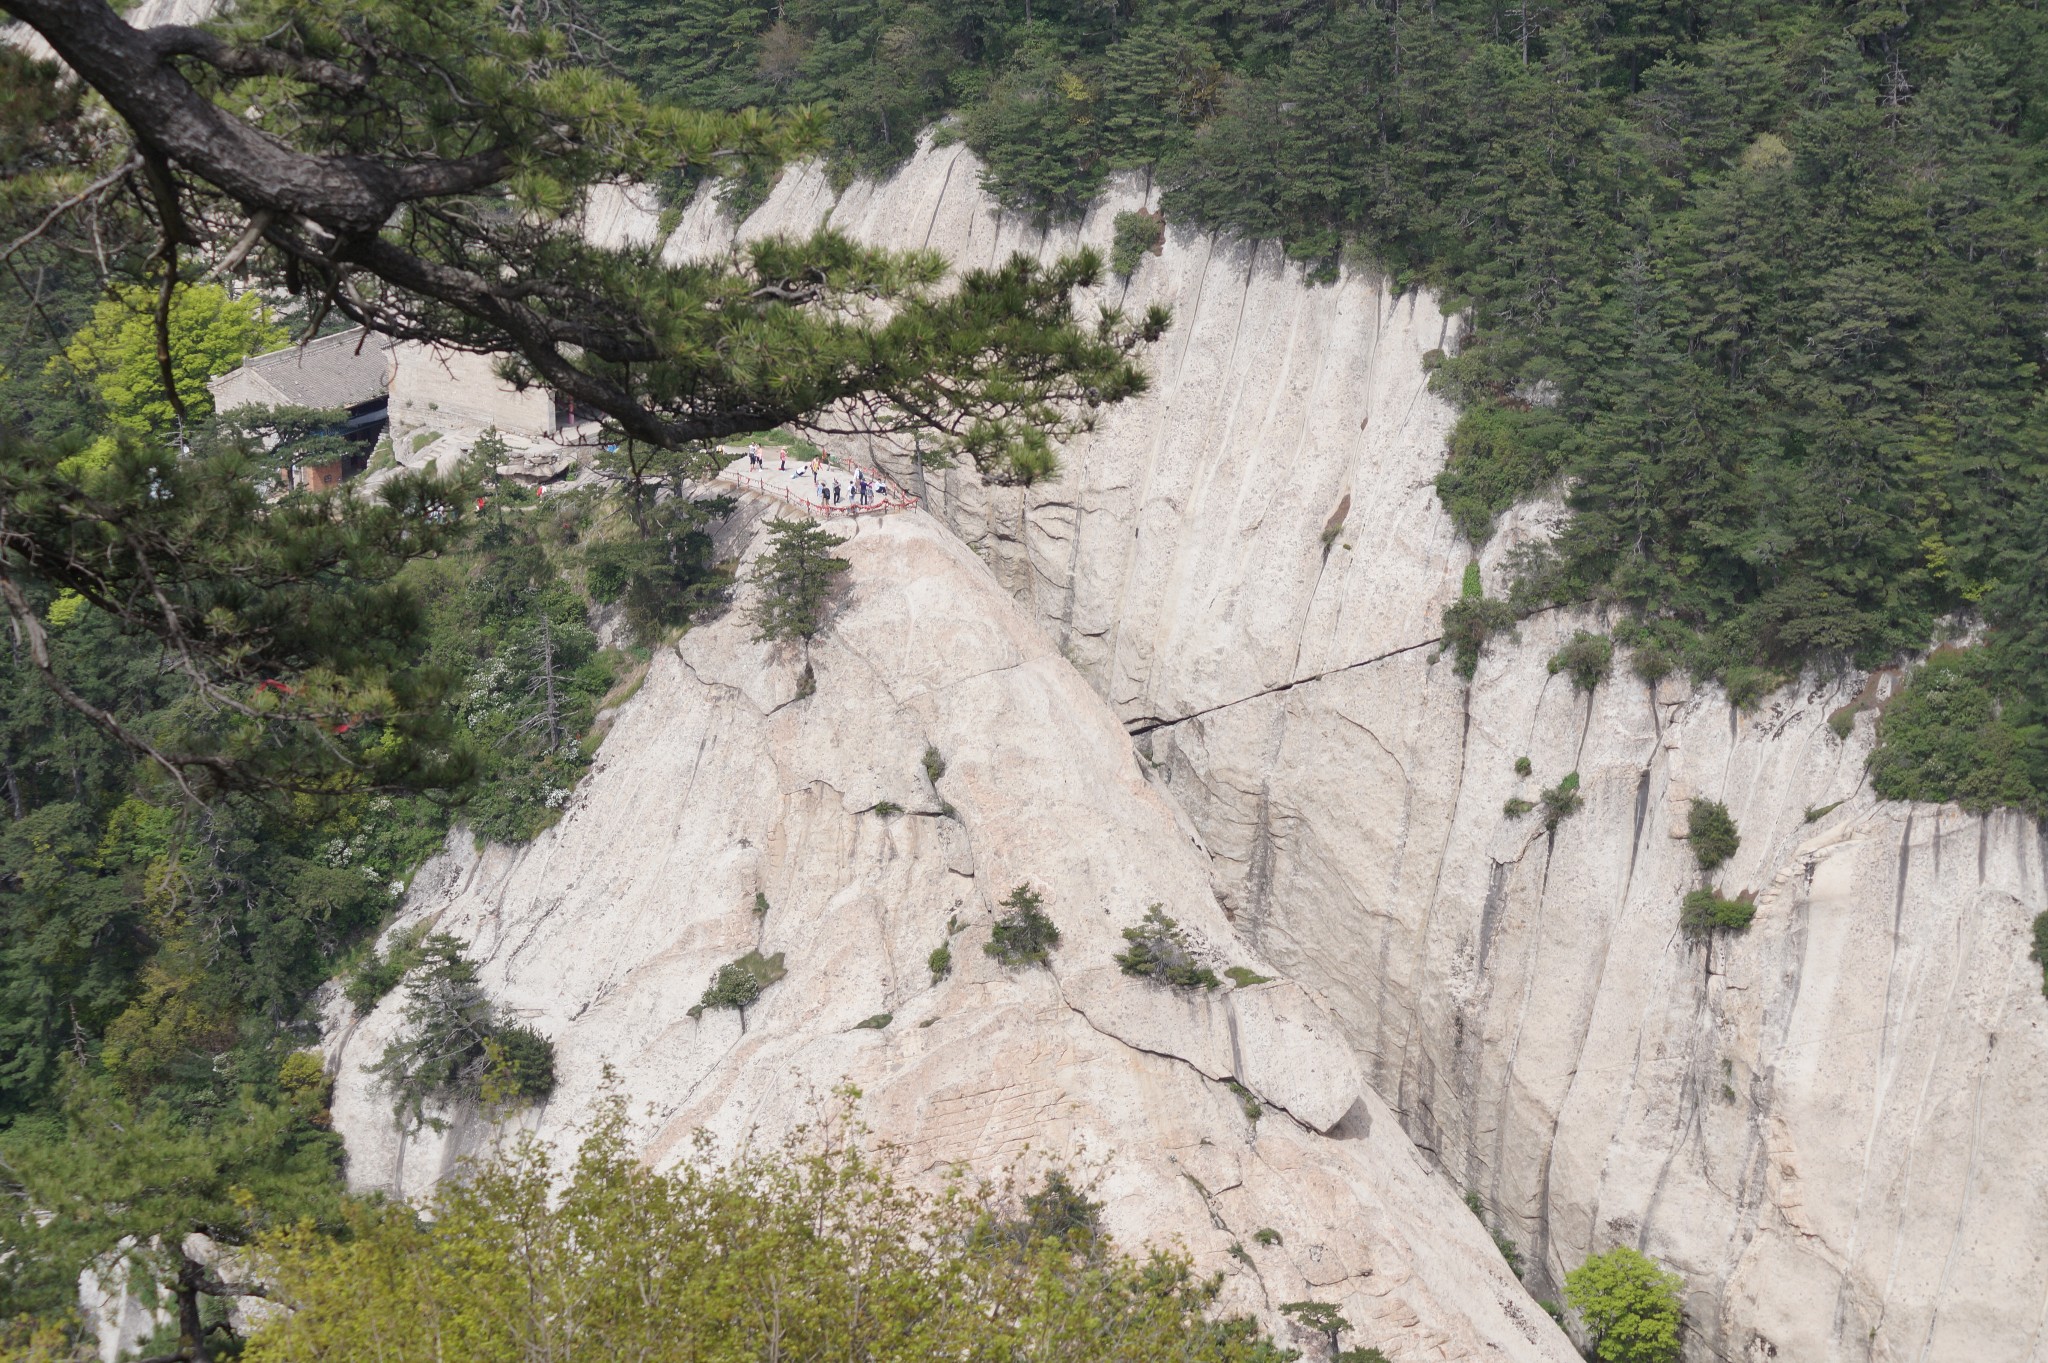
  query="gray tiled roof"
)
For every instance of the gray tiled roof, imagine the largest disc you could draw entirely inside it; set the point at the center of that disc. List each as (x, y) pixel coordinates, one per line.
(340, 370)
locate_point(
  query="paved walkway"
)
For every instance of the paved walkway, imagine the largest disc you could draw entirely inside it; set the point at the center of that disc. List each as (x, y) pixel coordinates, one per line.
(800, 487)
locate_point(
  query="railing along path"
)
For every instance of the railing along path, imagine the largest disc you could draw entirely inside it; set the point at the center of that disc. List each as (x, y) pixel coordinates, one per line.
(783, 486)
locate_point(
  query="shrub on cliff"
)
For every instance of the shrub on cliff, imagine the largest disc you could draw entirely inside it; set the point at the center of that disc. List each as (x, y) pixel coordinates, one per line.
(1159, 951)
(1586, 660)
(1630, 1306)
(1024, 935)
(2039, 953)
(1704, 913)
(738, 984)
(1470, 621)
(1946, 735)
(1561, 801)
(1711, 833)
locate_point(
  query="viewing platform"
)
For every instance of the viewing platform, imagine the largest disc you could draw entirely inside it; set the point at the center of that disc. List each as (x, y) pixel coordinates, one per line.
(821, 488)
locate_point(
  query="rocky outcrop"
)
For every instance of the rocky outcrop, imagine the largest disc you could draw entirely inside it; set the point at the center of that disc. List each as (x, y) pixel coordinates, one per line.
(726, 785)
(1826, 1124)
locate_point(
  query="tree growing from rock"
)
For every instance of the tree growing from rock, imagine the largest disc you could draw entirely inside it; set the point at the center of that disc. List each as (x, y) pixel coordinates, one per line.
(1711, 833)
(455, 1045)
(1159, 950)
(1630, 1306)
(1024, 935)
(1326, 1320)
(795, 577)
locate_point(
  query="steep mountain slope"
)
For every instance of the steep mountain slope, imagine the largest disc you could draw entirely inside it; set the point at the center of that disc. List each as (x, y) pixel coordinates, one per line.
(723, 780)
(1825, 1124)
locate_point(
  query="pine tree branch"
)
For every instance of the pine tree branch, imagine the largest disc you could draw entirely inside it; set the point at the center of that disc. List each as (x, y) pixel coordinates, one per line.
(29, 628)
(106, 181)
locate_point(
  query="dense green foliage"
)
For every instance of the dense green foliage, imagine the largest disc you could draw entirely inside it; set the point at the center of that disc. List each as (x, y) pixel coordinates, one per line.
(807, 1251)
(169, 944)
(1159, 950)
(1704, 913)
(1629, 1305)
(380, 968)
(105, 1168)
(1956, 732)
(234, 713)
(1711, 833)
(158, 956)
(209, 332)
(1760, 283)
(1135, 234)
(1024, 935)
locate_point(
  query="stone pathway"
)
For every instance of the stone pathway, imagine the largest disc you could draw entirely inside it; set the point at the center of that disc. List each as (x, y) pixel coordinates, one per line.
(797, 488)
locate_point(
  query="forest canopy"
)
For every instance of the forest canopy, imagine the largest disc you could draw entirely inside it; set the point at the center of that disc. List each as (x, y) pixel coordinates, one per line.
(807, 1250)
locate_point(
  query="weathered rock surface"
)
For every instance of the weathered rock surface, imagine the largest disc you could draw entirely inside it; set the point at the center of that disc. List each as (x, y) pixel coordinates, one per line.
(720, 782)
(1829, 1125)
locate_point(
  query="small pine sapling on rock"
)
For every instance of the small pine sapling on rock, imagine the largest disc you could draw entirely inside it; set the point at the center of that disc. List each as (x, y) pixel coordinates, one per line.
(1159, 951)
(1024, 935)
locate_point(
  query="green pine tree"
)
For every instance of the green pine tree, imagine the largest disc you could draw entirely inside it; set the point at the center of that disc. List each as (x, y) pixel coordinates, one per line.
(112, 1179)
(795, 578)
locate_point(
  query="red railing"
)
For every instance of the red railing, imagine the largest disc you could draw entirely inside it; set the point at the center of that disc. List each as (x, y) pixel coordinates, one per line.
(787, 493)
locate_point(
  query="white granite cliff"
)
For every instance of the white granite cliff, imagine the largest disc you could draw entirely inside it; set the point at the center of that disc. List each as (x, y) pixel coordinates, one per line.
(720, 781)
(1828, 1125)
